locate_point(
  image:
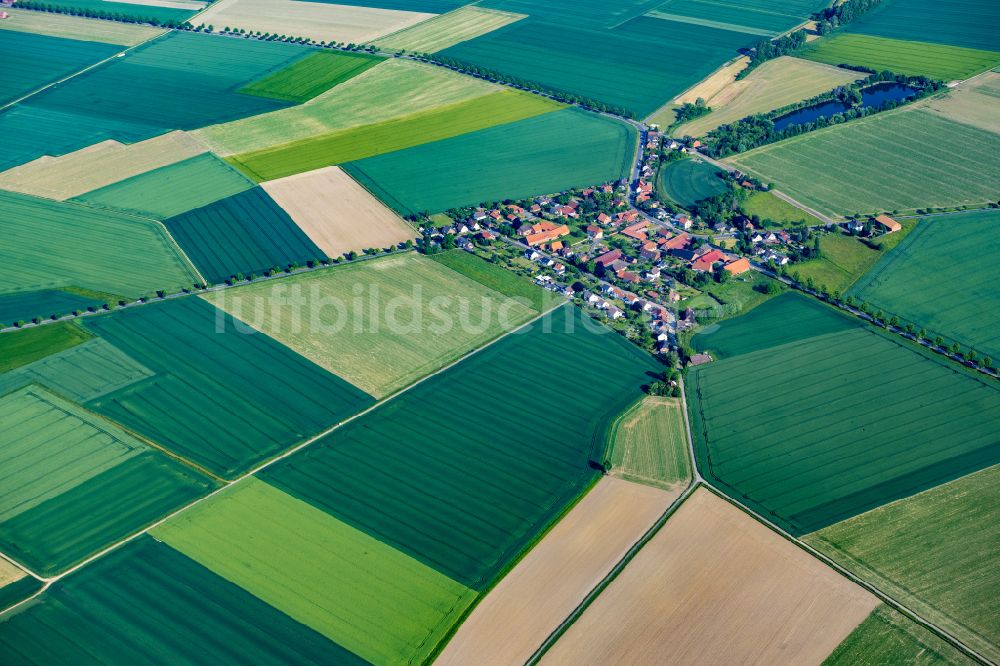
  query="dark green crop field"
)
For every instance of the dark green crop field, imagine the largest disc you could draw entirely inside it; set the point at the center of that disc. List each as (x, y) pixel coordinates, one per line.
(969, 23)
(824, 428)
(547, 153)
(147, 599)
(688, 181)
(12, 593)
(31, 61)
(312, 75)
(25, 305)
(244, 233)
(767, 326)
(225, 398)
(943, 277)
(465, 488)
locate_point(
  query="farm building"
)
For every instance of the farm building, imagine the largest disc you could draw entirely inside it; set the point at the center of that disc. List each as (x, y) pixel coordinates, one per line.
(738, 267)
(706, 261)
(890, 224)
(543, 232)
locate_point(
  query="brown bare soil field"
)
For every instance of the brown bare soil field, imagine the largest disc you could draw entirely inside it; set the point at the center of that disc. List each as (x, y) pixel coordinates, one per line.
(714, 586)
(9, 572)
(336, 212)
(98, 165)
(544, 588)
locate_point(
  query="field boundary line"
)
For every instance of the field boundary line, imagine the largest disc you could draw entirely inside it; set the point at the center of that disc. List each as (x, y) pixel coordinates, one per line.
(292, 451)
(857, 580)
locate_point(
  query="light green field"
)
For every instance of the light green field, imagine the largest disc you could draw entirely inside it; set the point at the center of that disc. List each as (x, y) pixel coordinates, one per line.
(843, 259)
(498, 108)
(372, 599)
(171, 190)
(769, 207)
(934, 552)
(650, 444)
(975, 103)
(937, 61)
(394, 89)
(379, 324)
(98, 165)
(889, 637)
(448, 29)
(896, 160)
(774, 84)
(77, 27)
(48, 445)
(51, 244)
(312, 75)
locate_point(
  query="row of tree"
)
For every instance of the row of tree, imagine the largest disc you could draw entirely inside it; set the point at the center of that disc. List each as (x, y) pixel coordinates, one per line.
(56, 8)
(843, 13)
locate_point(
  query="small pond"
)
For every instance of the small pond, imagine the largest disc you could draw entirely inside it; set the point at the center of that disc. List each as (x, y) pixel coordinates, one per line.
(872, 96)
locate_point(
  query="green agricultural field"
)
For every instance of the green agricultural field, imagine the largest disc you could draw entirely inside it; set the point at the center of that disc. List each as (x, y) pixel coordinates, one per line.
(23, 306)
(380, 324)
(766, 326)
(394, 89)
(172, 189)
(650, 444)
(73, 482)
(82, 372)
(53, 245)
(912, 159)
(889, 637)
(969, 23)
(32, 61)
(137, 11)
(777, 213)
(818, 430)
(377, 602)
(689, 180)
(221, 397)
(499, 108)
(312, 75)
(772, 85)
(934, 552)
(146, 599)
(466, 489)
(78, 27)
(244, 233)
(766, 20)
(926, 280)
(30, 345)
(17, 591)
(938, 61)
(548, 153)
(448, 29)
(843, 259)
(494, 277)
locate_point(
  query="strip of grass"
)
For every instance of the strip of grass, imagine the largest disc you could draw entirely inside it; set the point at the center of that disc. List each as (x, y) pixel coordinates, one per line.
(374, 600)
(494, 277)
(650, 444)
(27, 346)
(425, 127)
(312, 75)
(935, 553)
(889, 637)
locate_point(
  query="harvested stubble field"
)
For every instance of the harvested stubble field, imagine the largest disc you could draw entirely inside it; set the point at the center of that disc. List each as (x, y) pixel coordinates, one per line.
(377, 602)
(922, 280)
(774, 84)
(378, 346)
(466, 491)
(77, 27)
(499, 108)
(312, 75)
(51, 245)
(243, 234)
(75, 482)
(913, 159)
(969, 23)
(934, 552)
(394, 89)
(938, 61)
(98, 165)
(32, 61)
(547, 153)
(716, 586)
(336, 213)
(975, 102)
(550, 582)
(221, 397)
(689, 180)
(146, 598)
(319, 21)
(650, 444)
(448, 29)
(203, 179)
(815, 431)
(33, 344)
(9, 573)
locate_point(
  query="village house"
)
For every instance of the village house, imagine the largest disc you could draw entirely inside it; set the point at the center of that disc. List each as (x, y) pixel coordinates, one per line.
(603, 218)
(544, 232)
(683, 221)
(706, 261)
(678, 242)
(737, 267)
(636, 231)
(649, 251)
(608, 258)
